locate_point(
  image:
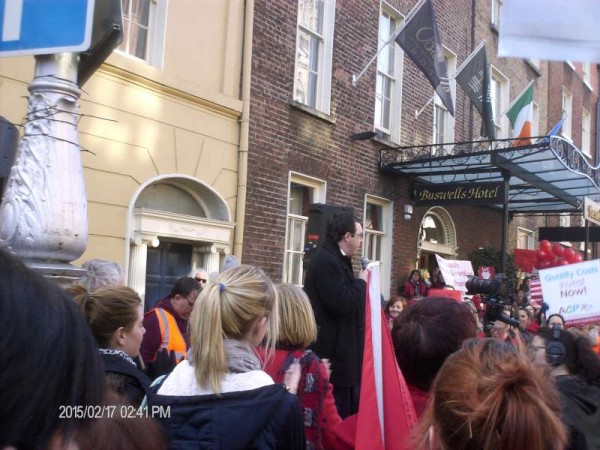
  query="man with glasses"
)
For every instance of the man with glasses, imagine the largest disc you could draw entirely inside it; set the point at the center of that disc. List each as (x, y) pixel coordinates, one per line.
(167, 323)
(338, 300)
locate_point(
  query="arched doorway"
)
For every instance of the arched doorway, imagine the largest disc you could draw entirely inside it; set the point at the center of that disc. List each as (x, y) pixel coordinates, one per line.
(176, 224)
(437, 234)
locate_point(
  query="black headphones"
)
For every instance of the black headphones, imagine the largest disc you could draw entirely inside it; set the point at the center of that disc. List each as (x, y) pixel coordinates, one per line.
(556, 353)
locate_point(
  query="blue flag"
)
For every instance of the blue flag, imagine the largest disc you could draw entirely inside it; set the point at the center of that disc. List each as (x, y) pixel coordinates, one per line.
(556, 128)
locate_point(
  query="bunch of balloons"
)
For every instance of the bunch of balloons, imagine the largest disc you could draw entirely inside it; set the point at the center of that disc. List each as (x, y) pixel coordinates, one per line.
(552, 255)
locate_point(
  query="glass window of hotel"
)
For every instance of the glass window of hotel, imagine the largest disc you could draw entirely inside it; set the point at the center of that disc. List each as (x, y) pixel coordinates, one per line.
(373, 232)
(443, 122)
(499, 93)
(144, 24)
(433, 230)
(496, 13)
(567, 112)
(302, 192)
(388, 87)
(377, 245)
(586, 133)
(526, 239)
(314, 45)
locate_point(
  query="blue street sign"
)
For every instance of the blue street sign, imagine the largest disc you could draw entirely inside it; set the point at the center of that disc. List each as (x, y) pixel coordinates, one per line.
(39, 27)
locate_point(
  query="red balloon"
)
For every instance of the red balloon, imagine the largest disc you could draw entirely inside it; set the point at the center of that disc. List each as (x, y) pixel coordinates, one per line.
(558, 250)
(551, 257)
(577, 258)
(541, 255)
(545, 246)
(568, 254)
(562, 262)
(544, 265)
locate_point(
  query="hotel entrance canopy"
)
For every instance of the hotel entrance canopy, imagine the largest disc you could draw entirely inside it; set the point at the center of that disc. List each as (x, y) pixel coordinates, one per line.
(549, 176)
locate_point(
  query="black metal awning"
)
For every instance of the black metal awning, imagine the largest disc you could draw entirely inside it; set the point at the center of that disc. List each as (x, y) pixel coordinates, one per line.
(549, 176)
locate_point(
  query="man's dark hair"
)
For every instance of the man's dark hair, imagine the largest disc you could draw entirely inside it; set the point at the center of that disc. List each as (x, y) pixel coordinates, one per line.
(426, 333)
(339, 225)
(184, 286)
(48, 357)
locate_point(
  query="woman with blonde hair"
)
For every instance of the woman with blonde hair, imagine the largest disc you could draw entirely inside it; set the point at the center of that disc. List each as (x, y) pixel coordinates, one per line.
(220, 397)
(297, 330)
(114, 314)
(490, 396)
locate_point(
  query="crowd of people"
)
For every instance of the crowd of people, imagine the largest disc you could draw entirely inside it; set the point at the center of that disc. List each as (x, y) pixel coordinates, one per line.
(234, 361)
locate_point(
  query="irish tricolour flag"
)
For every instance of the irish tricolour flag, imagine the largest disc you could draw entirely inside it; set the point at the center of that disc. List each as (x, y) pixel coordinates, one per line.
(520, 114)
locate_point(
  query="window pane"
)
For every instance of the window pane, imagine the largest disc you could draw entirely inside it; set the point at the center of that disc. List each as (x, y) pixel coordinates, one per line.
(136, 16)
(379, 100)
(298, 236)
(299, 199)
(310, 15)
(373, 217)
(307, 68)
(433, 230)
(296, 269)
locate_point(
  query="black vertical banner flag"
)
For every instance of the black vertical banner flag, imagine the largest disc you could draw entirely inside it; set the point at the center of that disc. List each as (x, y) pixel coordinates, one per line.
(474, 79)
(420, 40)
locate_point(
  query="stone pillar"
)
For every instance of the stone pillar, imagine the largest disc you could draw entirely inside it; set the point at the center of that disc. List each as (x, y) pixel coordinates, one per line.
(210, 257)
(43, 215)
(138, 259)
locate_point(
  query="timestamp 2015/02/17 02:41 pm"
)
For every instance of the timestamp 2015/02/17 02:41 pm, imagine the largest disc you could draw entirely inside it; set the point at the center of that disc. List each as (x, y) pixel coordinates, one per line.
(110, 411)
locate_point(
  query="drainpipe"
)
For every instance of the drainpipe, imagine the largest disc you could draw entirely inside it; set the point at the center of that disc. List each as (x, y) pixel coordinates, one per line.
(240, 210)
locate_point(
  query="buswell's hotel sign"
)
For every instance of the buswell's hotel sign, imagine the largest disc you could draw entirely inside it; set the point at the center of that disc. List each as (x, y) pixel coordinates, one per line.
(459, 194)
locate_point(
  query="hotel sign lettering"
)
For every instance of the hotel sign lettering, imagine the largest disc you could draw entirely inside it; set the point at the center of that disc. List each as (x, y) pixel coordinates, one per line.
(591, 210)
(459, 194)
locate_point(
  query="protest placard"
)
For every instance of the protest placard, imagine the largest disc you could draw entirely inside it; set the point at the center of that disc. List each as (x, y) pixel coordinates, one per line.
(573, 291)
(455, 272)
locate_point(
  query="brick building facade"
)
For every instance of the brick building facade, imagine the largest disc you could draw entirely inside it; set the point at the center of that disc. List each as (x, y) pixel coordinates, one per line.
(300, 150)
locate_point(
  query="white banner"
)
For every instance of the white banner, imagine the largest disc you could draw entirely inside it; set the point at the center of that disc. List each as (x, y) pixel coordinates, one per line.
(573, 291)
(558, 30)
(455, 272)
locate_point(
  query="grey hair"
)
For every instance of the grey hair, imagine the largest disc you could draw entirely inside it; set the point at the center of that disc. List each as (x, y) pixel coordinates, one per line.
(196, 270)
(100, 273)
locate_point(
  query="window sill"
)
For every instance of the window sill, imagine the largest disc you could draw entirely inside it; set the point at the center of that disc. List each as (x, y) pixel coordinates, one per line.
(380, 138)
(494, 28)
(588, 85)
(312, 111)
(535, 67)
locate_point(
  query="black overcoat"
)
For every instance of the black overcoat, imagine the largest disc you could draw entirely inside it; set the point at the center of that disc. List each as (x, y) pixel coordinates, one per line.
(338, 300)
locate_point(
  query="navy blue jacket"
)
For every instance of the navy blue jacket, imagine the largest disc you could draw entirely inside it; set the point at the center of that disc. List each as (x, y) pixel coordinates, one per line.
(338, 300)
(126, 379)
(265, 418)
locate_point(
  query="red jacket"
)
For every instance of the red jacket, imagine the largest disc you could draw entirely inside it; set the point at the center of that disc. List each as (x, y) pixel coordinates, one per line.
(409, 289)
(329, 415)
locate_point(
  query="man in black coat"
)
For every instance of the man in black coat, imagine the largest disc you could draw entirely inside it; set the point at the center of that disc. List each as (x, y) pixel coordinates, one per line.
(338, 300)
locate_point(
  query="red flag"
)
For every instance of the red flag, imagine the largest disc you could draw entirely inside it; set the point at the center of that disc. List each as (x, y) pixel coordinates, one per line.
(535, 289)
(386, 413)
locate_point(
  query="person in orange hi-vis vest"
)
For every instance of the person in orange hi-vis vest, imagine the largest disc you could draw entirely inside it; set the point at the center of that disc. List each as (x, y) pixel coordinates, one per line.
(167, 323)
